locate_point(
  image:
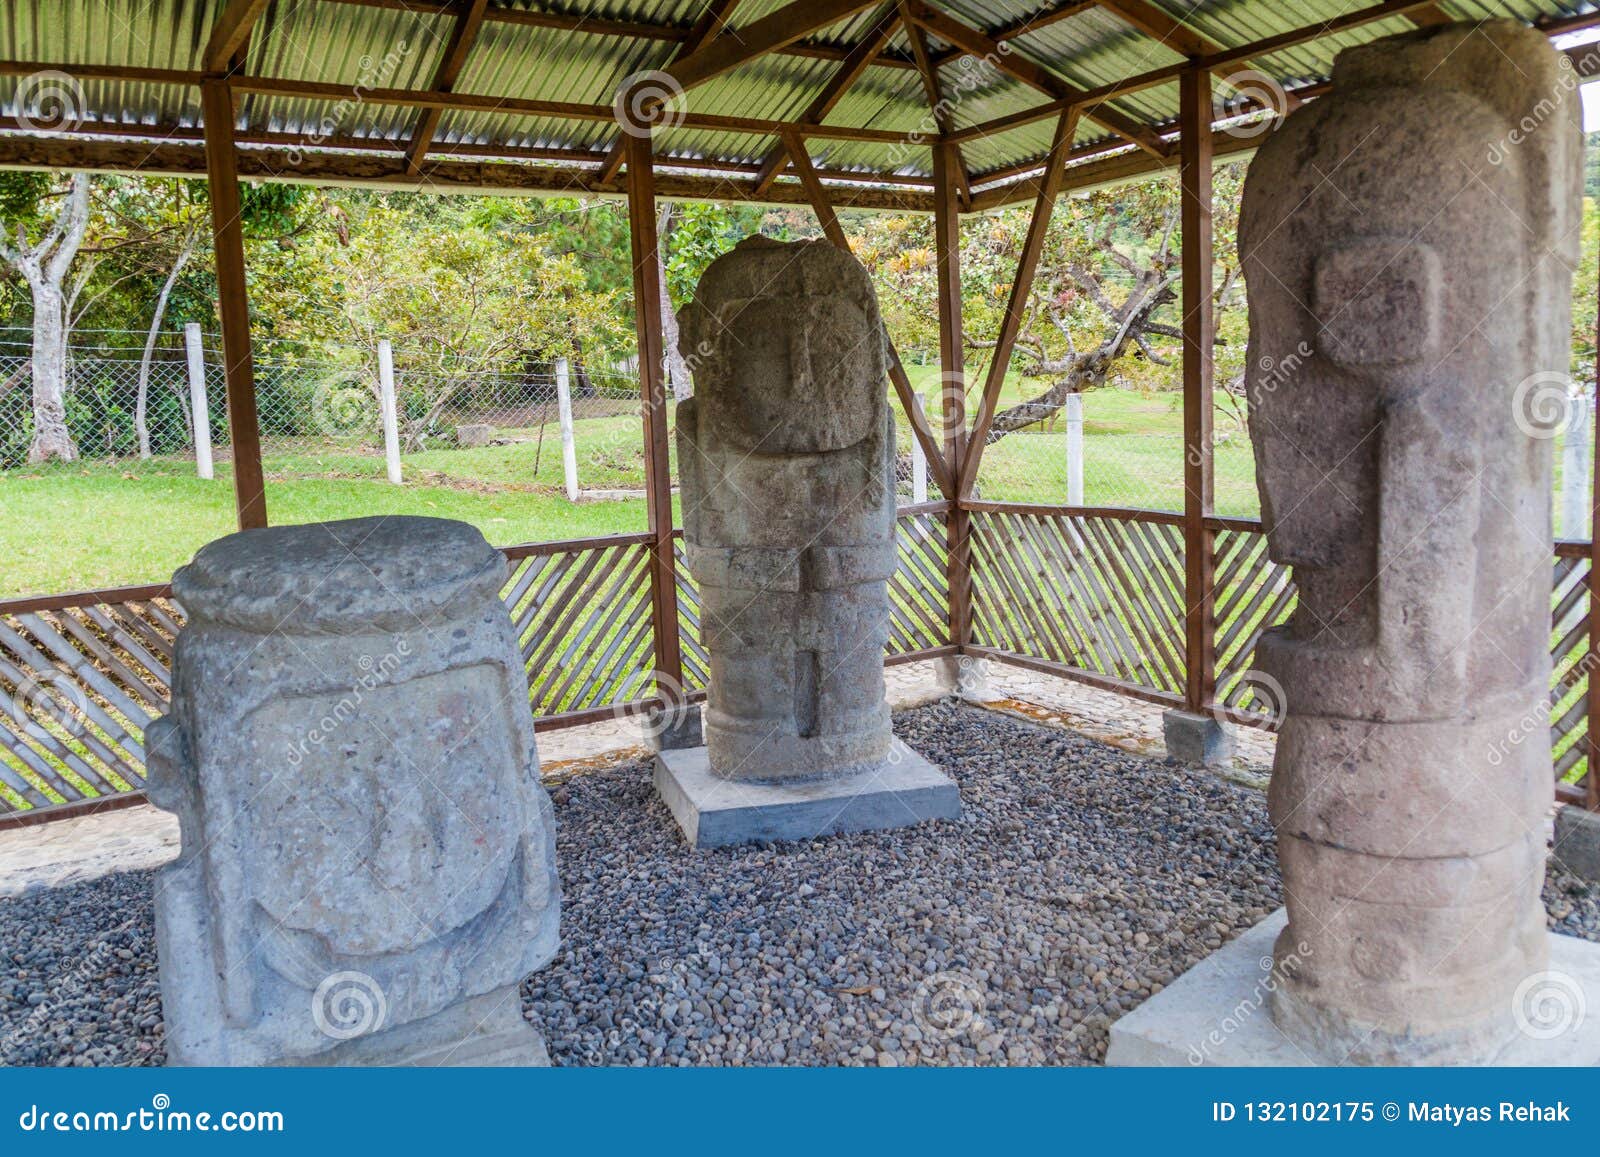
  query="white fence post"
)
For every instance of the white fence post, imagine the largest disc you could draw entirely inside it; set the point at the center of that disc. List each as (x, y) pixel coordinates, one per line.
(386, 403)
(569, 449)
(919, 461)
(200, 411)
(1074, 408)
(1576, 447)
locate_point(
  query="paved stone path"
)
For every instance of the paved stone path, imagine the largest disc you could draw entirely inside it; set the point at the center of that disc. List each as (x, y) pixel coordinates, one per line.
(70, 851)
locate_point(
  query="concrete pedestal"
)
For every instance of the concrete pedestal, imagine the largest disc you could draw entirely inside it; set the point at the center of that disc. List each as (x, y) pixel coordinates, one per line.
(1218, 1012)
(488, 1031)
(1196, 739)
(716, 812)
(1577, 846)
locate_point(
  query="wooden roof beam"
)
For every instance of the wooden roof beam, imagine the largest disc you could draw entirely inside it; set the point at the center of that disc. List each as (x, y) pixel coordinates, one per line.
(231, 33)
(934, 91)
(711, 23)
(1023, 26)
(1152, 21)
(772, 32)
(981, 44)
(469, 19)
(626, 29)
(850, 71)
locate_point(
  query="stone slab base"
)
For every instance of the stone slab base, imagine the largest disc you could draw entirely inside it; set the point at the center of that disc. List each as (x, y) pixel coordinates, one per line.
(1196, 739)
(1217, 1013)
(486, 1031)
(715, 812)
(1577, 843)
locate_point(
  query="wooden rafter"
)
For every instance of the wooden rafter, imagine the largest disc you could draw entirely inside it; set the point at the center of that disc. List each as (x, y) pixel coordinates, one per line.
(822, 206)
(981, 44)
(620, 29)
(469, 19)
(770, 33)
(1152, 21)
(883, 27)
(1017, 303)
(231, 33)
(1025, 25)
(711, 22)
(934, 91)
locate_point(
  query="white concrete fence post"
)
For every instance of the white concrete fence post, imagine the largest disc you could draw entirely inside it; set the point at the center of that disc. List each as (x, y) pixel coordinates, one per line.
(391, 415)
(919, 460)
(200, 413)
(1074, 409)
(569, 449)
(1576, 449)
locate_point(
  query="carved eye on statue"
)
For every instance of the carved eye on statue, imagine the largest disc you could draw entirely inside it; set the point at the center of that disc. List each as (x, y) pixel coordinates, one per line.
(1377, 302)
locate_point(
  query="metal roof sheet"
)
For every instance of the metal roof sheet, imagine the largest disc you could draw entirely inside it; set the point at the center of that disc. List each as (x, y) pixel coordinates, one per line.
(571, 51)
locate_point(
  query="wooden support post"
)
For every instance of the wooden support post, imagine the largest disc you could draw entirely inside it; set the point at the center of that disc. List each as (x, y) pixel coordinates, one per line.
(1017, 304)
(233, 304)
(1593, 773)
(199, 405)
(653, 390)
(943, 471)
(1194, 90)
(389, 410)
(953, 379)
(569, 446)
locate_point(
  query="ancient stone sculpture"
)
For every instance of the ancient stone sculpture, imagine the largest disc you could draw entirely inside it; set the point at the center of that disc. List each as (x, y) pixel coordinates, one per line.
(1408, 242)
(367, 869)
(786, 455)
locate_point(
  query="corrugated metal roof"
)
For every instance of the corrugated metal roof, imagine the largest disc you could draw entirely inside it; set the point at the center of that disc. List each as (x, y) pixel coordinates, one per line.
(571, 51)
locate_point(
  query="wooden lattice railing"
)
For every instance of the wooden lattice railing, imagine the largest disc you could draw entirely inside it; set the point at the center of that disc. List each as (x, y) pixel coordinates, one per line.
(81, 675)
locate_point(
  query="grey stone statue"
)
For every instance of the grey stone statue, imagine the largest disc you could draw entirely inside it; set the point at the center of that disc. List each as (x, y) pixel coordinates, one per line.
(367, 869)
(786, 457)
(1408, 241)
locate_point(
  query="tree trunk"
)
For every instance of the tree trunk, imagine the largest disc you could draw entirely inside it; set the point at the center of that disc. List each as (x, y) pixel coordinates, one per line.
(51, 438)
(141, 404)
(676, 369)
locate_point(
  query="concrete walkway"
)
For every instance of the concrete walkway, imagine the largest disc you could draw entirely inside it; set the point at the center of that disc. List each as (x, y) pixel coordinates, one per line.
(70, 851)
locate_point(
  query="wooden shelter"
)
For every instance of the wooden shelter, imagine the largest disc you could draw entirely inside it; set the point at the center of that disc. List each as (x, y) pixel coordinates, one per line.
(949, 107)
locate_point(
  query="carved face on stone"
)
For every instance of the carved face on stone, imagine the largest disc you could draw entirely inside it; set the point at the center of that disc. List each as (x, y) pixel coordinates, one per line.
(787, 347)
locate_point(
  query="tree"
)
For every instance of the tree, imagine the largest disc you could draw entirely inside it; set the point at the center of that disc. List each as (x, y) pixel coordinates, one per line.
(47, 243)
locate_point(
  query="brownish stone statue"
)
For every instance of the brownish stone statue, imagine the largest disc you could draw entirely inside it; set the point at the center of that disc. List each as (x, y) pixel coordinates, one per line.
(1408, 241)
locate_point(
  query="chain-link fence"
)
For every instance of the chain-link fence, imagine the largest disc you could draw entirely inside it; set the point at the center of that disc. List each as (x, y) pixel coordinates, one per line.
(544, 451)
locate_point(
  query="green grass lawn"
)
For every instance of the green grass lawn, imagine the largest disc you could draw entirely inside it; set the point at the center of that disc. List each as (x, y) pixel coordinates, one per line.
(98, 523)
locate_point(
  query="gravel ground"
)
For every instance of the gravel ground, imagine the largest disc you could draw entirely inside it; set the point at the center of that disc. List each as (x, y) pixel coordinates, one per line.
(1081, 880)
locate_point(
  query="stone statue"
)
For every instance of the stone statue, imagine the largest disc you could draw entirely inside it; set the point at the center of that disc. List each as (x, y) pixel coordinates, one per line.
(1408, 241)
(367, 869)
(786, 460)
